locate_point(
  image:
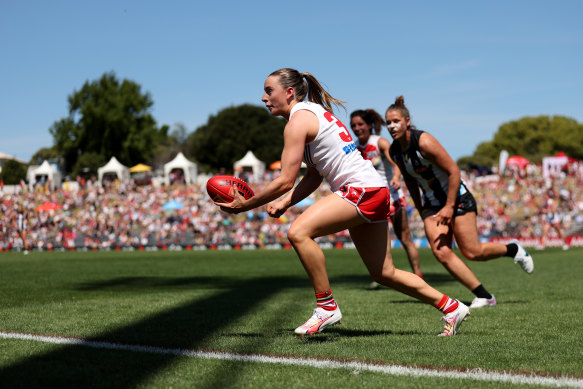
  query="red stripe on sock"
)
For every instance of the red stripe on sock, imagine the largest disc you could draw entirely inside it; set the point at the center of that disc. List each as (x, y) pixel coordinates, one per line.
(447, 305)
(325, 300)
(442, 303)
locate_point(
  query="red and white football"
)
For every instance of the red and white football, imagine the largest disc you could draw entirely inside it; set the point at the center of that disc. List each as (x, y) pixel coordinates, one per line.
(220, 188)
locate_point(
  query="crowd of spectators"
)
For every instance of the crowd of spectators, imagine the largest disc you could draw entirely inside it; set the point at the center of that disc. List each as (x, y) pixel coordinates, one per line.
(130, 215)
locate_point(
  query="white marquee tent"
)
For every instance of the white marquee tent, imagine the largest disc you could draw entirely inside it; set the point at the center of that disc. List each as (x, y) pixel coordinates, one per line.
(36, 173)
(181, 162)
(552, 166)
(113, 167)
(250, 161)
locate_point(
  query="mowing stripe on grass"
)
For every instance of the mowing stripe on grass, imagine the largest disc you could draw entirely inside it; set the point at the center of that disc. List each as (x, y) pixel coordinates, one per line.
(390, 369)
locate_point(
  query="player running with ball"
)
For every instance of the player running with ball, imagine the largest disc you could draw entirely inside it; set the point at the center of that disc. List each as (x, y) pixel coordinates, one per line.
(360, 200)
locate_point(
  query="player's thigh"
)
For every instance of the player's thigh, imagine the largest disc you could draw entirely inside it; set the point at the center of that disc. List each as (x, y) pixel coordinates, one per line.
(373, 244)
(466, 232)
(439, 236)
(328, 215)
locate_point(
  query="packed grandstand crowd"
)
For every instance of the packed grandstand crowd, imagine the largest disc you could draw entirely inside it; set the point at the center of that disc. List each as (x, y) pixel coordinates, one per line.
(129, 216)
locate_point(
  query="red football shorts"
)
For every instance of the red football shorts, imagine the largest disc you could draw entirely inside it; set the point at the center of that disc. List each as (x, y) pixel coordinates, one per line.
(373, 204)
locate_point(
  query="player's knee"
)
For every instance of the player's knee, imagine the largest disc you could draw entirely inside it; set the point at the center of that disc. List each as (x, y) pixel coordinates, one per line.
(389, 273)
(295, 234)
(472, 254)
(442, 255)
(385, 276)
(291, 235)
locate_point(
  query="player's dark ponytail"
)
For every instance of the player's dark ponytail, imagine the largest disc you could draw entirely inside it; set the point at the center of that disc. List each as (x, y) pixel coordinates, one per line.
(370, 117)
(399, 105)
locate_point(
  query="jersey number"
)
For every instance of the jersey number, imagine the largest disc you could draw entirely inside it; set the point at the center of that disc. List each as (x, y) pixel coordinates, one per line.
(344, 134)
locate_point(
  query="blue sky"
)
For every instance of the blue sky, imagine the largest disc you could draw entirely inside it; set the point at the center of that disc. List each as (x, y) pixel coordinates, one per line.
(464, 67)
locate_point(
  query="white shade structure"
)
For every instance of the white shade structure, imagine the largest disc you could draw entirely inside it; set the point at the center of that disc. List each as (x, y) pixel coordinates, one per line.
(53, 176)
(250, 161)
(113, 167)
(181, 162)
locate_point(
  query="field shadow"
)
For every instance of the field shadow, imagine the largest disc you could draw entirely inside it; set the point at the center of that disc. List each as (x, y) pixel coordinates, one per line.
(136, 283)
(186, 327)
(125, 284)
(334, 333)
(515, 302)
(433, 279)
(411, 301)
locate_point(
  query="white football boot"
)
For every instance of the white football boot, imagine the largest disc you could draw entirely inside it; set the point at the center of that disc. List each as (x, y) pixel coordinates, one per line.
(480, 302)
(523, 258)
(453, 320)
(320, 319)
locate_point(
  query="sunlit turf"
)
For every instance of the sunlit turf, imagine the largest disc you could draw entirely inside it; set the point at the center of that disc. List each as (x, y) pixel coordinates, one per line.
(250, 302)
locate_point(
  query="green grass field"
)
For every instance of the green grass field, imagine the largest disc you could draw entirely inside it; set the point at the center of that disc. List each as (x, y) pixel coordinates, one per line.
(249, 302)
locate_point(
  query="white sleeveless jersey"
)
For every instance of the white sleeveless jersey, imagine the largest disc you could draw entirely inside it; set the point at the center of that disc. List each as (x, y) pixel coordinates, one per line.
(372, 152)
(334, 154)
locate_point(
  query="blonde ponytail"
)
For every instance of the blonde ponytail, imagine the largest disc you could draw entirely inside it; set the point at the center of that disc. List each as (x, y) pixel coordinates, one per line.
(306, 85)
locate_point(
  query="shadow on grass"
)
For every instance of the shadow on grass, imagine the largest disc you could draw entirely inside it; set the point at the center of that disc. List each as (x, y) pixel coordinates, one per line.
(435, 279)
(411, 301)
(362, 281)
(135, 283)
(333, 333)
(185, 327)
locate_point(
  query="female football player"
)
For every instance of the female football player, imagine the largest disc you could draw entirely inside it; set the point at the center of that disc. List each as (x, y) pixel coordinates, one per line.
(375, 148)
(359, 202)
(20, 224)
(447, 207)
(552, 218)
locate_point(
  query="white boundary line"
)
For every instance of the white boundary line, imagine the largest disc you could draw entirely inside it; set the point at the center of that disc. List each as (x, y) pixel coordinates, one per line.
(474, 374)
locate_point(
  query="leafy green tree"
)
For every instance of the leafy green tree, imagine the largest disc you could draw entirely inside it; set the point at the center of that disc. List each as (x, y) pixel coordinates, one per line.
(45, 153)
(171, 145)
(12, 172)
(533, 138)
(107, 118)
(470, 163)
(228, 135)
(88, 163)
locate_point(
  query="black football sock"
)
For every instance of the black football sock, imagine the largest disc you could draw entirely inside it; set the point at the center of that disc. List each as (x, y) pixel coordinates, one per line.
(511, 250)
(481, 292)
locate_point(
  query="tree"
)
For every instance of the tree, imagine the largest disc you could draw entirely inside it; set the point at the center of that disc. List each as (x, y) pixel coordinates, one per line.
(12, 172)
(45, 153)
(228, 135)
(533, 138)
(171, 145)
(88, 163)
(107, 118)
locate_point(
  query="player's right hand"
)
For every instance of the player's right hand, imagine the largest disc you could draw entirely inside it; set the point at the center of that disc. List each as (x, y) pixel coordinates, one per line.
(276, 209)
